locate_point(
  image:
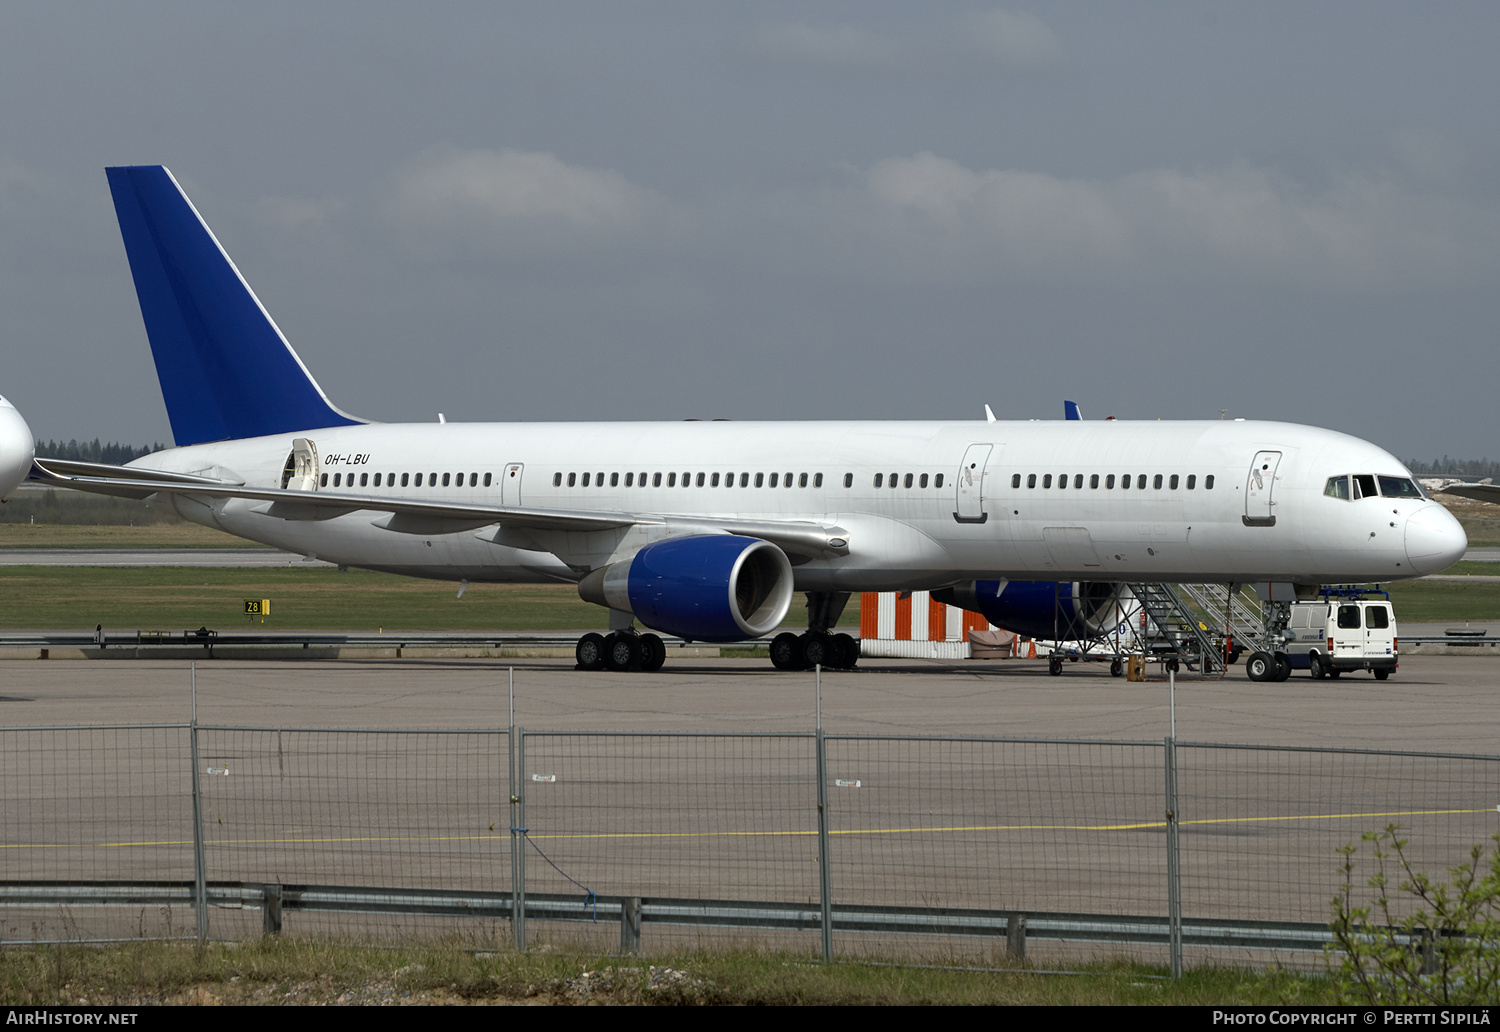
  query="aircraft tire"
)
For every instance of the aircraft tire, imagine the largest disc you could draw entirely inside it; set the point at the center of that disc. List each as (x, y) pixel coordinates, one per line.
(1283, 667)
(815, 649)
(653, 653)
(622, 652)
(1259, 667)
(590, 652)
(785, 653)
(848, 650)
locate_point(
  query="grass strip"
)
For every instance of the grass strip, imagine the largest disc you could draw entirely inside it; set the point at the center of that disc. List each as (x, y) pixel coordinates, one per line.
(279, 971)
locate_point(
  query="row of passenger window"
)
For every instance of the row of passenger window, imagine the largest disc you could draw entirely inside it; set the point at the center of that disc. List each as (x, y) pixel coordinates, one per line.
(691, 479)
(1364, 486)
(407, 479)
(910, 480)
(1158, 481)
(728, 479)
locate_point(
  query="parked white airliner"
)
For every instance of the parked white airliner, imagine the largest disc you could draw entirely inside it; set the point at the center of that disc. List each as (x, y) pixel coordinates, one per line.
(706, 529)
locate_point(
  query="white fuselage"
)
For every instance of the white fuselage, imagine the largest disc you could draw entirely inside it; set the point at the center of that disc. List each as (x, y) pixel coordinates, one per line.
(911, 536)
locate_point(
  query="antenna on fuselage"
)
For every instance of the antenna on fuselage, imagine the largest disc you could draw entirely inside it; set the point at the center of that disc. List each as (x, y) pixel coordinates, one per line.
(989, 417)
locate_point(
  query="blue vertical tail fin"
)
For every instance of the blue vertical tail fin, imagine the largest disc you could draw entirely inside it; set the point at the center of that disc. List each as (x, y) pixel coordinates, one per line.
(225, 369)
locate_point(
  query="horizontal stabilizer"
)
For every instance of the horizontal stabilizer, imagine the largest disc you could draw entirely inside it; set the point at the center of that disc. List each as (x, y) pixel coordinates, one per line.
(225, 369)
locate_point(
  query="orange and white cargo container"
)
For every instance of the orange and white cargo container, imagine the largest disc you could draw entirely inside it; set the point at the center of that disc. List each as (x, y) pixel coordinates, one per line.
(913, 626)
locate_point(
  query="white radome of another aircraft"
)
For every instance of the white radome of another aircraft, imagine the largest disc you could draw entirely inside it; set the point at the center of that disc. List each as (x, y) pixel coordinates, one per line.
(17, 449)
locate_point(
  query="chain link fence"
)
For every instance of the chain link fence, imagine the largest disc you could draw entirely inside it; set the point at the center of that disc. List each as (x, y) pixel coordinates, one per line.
(508, 836)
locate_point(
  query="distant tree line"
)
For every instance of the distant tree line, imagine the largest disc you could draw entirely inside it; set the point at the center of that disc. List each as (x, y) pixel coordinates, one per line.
(112, 454)
(1469, 469)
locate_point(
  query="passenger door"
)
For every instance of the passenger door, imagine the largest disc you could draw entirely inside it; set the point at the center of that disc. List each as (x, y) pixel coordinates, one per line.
(970, 487)
(1259, 486)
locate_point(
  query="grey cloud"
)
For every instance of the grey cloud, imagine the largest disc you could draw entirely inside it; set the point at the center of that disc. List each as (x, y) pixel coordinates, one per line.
(927, 218)
(1018, 39)
(832, 45)
(994, 36)
(509, 184)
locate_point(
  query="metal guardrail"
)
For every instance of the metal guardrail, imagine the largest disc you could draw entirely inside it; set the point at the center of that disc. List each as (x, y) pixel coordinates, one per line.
(634, 912)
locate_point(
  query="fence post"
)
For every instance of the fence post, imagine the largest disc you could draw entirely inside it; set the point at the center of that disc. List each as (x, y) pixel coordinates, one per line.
(270, 910)
(517, 837)
(1174, 872)
(630, 925)
(200, 873)
(825, 871)
(1015, 936)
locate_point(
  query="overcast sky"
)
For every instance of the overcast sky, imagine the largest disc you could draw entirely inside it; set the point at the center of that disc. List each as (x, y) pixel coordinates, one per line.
(860, 210)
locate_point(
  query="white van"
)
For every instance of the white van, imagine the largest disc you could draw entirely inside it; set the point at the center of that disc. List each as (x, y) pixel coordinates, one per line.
(1330, 636)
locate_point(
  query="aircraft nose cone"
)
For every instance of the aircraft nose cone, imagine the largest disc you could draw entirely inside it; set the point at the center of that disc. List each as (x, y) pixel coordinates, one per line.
(1434, 539)
(16, 446)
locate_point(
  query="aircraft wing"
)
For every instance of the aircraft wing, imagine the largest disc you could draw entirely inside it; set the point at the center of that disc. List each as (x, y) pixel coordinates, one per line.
(1479, 492)
(410, 516)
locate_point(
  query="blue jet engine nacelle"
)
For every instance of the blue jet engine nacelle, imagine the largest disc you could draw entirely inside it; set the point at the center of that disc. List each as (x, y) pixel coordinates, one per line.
(712, 587)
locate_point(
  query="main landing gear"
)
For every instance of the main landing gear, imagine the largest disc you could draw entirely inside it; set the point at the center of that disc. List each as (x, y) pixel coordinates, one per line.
(817, 647)
(621, 651)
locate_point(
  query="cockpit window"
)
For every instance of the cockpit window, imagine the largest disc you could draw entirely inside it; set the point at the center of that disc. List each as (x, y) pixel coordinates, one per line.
(1399, 487)
(1337, 487)
(1364, 486)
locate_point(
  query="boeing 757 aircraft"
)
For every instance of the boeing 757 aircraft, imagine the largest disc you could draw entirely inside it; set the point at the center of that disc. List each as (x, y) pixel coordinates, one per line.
(707, 529)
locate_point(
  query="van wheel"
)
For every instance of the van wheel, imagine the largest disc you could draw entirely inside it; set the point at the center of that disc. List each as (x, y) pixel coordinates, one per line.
(1381, 675)
(1315, 664)
(1116, 668)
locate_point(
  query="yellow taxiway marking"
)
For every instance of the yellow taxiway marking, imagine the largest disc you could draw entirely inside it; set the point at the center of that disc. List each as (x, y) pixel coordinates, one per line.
(937, 829)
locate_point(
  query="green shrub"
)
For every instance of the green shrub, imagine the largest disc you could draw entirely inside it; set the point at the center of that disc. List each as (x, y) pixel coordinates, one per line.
(1445, 952)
